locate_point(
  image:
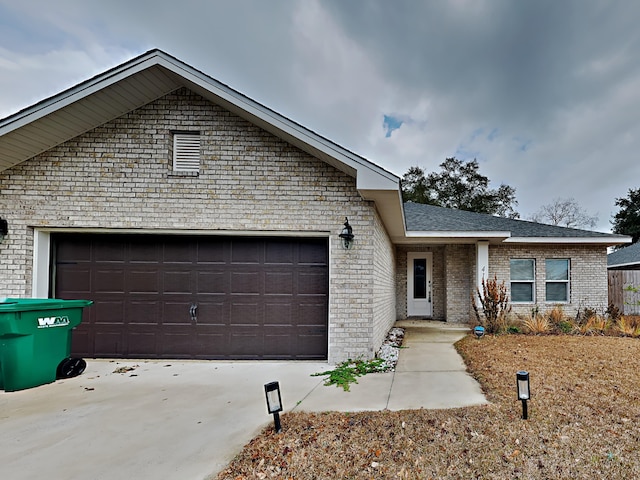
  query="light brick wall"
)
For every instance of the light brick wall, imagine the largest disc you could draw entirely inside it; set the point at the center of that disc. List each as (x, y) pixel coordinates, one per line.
(437, 282)
(119, 176)
(588, 274)
(459, 274)
(384, 291)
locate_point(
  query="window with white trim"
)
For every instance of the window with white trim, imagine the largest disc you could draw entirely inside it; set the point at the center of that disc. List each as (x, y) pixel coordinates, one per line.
(557, 280)
(186, 152)
(523, 274)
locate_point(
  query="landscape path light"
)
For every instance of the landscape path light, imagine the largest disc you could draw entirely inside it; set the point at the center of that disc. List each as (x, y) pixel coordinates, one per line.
(274, 403)
(479, 331)
(524, 392)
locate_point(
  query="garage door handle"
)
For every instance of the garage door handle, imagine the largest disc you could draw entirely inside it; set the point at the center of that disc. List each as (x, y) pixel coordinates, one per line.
(193, 311)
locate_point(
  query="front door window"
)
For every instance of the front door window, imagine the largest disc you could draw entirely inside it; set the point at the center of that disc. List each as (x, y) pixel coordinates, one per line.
(419, 301)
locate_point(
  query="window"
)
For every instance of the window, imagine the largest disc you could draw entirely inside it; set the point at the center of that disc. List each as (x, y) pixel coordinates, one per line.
(522, 279)
(557, 285)
(186, 152)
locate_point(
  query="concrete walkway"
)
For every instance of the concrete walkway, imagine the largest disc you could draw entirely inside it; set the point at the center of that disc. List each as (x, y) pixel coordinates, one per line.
(186, 420)
(430, 374)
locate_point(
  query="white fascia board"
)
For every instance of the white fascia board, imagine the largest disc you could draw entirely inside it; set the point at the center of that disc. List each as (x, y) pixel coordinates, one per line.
(457, 234)
(570, 240)
(618, 266)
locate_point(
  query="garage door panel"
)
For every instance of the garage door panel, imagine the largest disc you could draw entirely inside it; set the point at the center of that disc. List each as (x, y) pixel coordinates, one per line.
(143, 281)
(74, 279)
(108, 281)
(279, 253)
(212, 253)
(256, 297)
(245, 283)
(276, 314)
(107, 251)
(177, 281)
(139, 342)
(279, 283)
(243, 313)
(108, 312)
(109, 343)
(141, 312)
(216, 282)
(246, 251)
(176, 312)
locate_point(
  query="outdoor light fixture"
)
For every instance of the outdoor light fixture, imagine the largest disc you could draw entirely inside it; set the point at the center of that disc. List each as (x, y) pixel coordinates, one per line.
(274, 403)
(347, 235)
(4, 229)
(479, 331)
(524, 393)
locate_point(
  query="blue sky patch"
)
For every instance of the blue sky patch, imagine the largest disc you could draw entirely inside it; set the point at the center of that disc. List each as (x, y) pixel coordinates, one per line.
(390, 124)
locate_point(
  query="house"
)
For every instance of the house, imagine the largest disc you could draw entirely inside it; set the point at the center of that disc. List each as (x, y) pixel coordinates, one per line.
(205, 225)
(624, 272)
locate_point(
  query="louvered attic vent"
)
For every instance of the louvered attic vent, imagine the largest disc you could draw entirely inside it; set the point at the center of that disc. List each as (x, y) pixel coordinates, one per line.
(186, 152)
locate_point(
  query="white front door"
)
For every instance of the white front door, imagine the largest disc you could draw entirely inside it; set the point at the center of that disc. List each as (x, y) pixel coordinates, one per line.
(419, 297)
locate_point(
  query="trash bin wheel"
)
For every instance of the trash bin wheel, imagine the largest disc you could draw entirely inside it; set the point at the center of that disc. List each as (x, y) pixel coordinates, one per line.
(71, 367)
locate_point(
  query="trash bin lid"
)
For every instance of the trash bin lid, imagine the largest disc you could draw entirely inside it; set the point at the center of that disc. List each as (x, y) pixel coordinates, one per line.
(27, 304)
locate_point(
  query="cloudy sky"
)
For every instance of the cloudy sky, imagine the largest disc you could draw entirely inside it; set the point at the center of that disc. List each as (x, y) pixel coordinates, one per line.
(545, 94)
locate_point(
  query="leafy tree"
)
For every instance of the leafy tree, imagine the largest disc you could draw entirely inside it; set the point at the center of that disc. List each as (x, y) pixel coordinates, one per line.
(565, 212)
(459, 185)
(627, 220)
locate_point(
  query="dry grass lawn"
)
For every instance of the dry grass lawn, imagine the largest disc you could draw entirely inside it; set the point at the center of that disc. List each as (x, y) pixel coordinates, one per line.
(584, 423)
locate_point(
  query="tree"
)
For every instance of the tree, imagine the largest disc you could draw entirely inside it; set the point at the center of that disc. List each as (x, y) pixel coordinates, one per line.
(564, 212)
(459, 185)
(627, 220)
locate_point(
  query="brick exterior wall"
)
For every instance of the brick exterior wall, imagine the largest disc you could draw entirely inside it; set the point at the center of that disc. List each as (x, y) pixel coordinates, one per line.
(119, 176)
(459, 279)
(588, 286)
(384, 288)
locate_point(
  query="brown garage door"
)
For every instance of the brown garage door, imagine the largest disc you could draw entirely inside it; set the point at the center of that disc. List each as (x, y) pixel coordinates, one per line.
(196, 297)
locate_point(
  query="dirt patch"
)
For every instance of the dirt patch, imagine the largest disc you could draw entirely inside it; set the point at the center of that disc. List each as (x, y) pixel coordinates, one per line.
(583, 422)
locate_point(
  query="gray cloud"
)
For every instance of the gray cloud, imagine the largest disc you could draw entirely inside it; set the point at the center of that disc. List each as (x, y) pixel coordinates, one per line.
(544, 93)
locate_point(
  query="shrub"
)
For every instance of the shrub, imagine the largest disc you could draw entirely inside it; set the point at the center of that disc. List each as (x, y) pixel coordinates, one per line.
(537, 324)
(565, 326)
(629, 325)
(613, 312)
(595, 324)
(495, 305)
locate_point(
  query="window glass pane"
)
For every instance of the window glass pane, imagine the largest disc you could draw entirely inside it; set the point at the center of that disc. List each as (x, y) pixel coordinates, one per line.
(556, 292)
(521, 292)
(522, 269)
(557, 269)
(420, 278)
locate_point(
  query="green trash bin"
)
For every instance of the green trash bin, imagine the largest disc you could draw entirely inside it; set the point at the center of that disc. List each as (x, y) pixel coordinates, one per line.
(35, 336)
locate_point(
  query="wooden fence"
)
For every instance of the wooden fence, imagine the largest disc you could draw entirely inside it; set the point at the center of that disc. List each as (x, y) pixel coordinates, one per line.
(628, 302)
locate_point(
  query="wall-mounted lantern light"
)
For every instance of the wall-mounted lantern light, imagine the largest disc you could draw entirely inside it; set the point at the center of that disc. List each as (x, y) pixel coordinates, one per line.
(347, 235)
(4, 229)
(274, 403)
(524, 393)
(479, 331)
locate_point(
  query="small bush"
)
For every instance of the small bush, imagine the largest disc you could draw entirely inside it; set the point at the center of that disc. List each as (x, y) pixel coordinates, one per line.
(537, 324)
(565, 326)
(613, 312)
(629, 325)
(495, 305)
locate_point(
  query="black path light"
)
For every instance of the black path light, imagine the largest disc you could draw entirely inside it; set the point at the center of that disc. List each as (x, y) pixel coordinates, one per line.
(274, 403)
(346, 235)
(524, 392)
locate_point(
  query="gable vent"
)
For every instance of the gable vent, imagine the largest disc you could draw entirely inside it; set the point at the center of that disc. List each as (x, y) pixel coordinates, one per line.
(186, 152)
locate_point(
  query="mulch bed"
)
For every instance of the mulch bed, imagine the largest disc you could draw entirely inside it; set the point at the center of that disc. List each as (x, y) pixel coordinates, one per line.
(583, 422)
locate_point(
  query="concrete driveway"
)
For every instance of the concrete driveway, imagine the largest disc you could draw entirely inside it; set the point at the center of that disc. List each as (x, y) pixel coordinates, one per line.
(186, 420)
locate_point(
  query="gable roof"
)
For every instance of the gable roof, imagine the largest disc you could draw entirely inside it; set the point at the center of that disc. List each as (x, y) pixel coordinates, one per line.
(628, 256)
(463, 226)
(154, 74)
